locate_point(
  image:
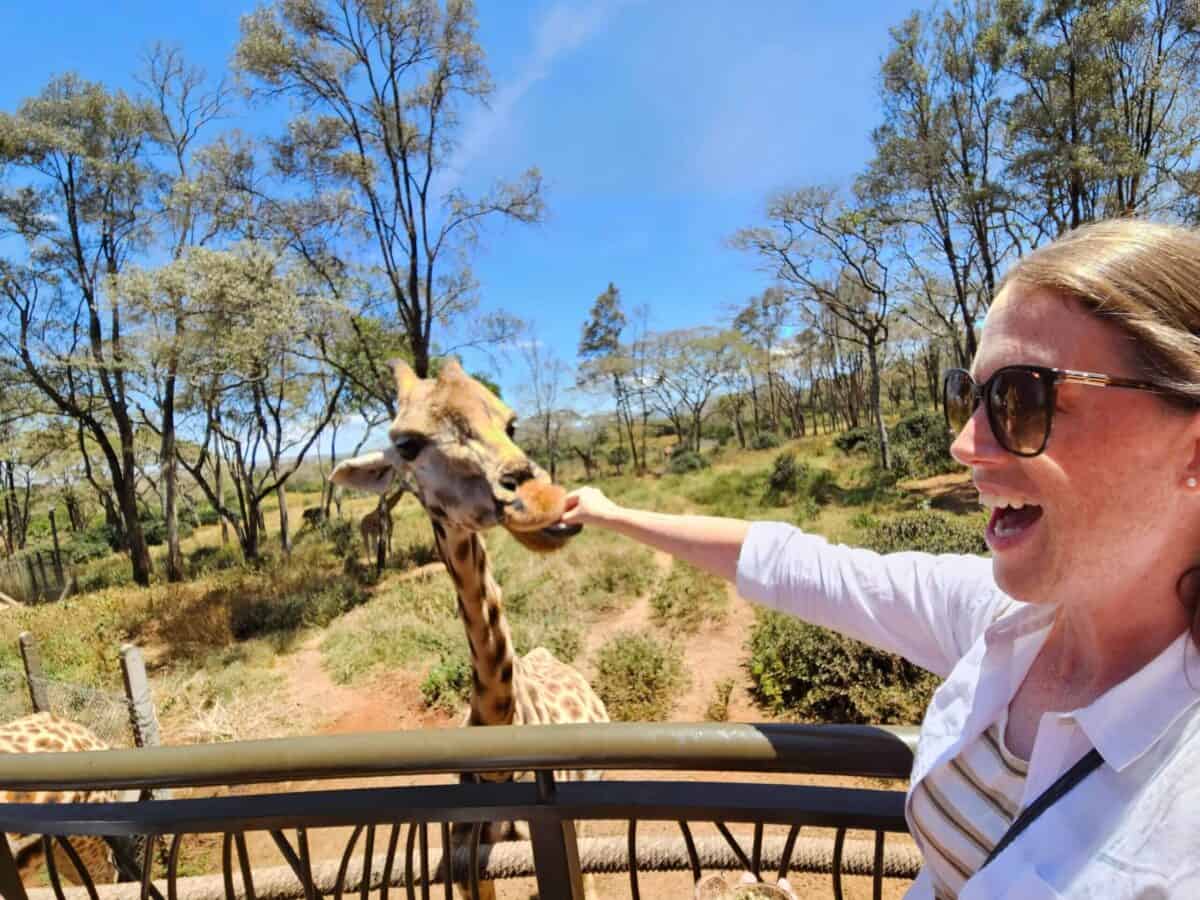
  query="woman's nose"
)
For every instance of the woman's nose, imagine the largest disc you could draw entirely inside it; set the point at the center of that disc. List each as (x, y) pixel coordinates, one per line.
(976, 444)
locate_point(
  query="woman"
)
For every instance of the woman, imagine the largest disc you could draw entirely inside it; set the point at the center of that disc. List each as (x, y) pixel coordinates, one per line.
(1079, 633)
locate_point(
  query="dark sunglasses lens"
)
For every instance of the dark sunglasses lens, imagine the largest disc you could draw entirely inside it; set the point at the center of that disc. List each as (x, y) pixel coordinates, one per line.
(1019, 410)
(958, 399)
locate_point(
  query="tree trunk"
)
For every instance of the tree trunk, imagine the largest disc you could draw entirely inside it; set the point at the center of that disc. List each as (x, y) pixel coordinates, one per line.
(219, 490)
(170, 469)
(135, 538)
(885, 456)
(285, 540)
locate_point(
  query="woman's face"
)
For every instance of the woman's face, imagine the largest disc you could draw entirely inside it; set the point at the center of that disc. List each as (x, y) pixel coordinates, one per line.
(1113, 512)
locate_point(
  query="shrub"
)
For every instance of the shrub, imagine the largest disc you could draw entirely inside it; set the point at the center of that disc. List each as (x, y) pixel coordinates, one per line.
(210, 558)
(925, 439)
(448, 684)
(718, 706)
(689, 598)
(822, 486)
(340, 533)
(206, 515)
(811, 673)
(854, 440)
(639, 678)
(618, 456)
(614, 577)
(411, 556)
(928, 531)
(765, 440)
(85, 546)
(785, 479)
(688, 461)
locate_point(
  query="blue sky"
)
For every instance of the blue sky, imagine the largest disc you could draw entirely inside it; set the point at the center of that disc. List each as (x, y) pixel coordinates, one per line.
(660, 126)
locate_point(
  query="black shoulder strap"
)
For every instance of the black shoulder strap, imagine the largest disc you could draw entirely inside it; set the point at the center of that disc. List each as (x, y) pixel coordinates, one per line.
(1049, 797)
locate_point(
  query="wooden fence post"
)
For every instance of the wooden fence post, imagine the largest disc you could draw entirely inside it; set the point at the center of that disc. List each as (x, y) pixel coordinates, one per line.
(58, 566)
(34, 676)
(142, 716)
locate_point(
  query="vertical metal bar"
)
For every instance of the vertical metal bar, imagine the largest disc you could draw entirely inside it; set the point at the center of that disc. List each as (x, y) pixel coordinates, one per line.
(409, 873)
(423, 840)
(10, 879)
(173, 868)
(447, 862)
(147, 866)
(289, 855)
(340, 885)
(389, 862)
(743, 859)
(34, 676)
(244, 862)
(631, 853)
(52, 866)
(756, 853)
(693, 856)
(473, 861)
(85, 877)
(368, 849)
(839, 845)
(555, 849)
(785, 861)
(877, 874)
(227, 866)
(310, 889)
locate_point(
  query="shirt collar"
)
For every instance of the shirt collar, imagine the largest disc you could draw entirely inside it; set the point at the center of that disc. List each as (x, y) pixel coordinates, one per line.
(1128, 719)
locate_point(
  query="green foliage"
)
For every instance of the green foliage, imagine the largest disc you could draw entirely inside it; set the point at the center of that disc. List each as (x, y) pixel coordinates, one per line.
(638, 677)
(212, 558)
(689, 598)
(854, 440)
(340, 533)
(447, 686)
(786, 478)
(614, 577)
(810, 673)
(928, 531)
(205, 514)
(318, 604)
(85, 546)
(765, 440)
(924, 439)
(688, 461)
(718, 707)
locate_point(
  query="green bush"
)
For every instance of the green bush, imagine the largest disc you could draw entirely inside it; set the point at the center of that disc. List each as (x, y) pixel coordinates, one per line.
(253, 615)
(206, 559)
(85, 546)
(206, 515)
(340, 533)
(688, 598)
(448, 684)
(639, 678)
(765, 440)
(688, 461)
(854, 440)
(718, 706)
(785, 479)
(925, 439)
(806, 672)
(928, 531)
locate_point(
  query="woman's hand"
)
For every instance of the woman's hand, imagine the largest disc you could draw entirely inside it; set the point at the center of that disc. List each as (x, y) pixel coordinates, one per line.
(587, 506)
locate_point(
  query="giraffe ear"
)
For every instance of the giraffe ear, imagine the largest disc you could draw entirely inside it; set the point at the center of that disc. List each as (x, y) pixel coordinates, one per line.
(370, 472)
(406, 378)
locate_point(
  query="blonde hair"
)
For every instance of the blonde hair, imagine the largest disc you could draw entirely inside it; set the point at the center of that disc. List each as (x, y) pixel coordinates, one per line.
(1144, 278)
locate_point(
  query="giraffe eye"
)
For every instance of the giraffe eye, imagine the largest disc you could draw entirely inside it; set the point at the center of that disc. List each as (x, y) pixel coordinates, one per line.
(410, 446)
(511, 430)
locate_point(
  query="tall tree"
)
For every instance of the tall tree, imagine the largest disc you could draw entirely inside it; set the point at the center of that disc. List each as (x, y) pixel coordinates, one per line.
(75, 205)
(605, 361)
(381, 86)
(835, 256)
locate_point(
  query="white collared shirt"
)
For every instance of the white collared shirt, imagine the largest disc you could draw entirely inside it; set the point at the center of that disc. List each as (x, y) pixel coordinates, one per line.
(1130, 829)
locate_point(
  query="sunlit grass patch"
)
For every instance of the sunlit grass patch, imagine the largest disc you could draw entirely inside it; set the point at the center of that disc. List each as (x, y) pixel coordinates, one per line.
(688, 599)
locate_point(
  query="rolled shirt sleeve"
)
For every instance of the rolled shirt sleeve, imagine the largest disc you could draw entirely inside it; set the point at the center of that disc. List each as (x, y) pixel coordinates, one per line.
(927, 608)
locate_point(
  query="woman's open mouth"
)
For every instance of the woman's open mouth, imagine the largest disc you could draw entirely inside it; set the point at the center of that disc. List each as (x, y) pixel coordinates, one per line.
(1012, 520)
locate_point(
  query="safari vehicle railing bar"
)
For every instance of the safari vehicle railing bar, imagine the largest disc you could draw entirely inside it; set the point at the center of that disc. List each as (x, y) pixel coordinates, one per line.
(550, 806)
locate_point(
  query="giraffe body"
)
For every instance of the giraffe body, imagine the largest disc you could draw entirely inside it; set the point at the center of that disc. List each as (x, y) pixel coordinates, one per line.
(46, 733)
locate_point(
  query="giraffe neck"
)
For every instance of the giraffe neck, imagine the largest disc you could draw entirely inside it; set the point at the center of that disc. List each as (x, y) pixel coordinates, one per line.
(481, 608)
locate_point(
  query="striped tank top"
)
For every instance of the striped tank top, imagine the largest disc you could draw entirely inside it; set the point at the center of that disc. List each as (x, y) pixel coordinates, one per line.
(961, 809)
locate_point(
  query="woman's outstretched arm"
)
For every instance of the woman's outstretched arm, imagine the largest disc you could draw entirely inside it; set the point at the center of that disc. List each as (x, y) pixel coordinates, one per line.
(707, 542)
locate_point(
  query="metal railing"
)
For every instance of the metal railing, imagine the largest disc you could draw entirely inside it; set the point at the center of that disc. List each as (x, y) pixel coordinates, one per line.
(551, 804)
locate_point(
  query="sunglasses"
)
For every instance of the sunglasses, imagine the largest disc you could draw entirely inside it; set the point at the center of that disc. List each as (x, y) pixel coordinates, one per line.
(1020, 401)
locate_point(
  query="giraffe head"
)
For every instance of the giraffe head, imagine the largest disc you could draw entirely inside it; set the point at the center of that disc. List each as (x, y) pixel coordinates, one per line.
(452, 444)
